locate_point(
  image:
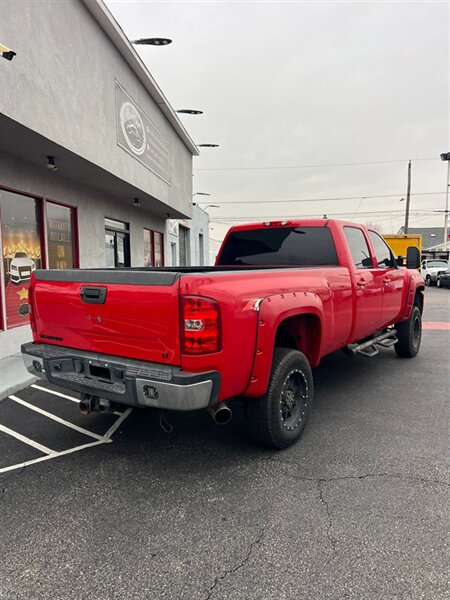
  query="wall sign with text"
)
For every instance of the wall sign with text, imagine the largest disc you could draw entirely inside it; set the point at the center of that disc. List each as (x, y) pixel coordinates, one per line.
(138, 136)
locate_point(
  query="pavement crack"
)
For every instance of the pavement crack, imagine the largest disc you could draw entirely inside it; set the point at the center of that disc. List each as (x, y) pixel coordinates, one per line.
(349, 477)
(240, 564)
(329, 529)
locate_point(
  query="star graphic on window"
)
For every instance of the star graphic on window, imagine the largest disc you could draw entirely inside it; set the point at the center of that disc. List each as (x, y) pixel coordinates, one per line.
(23, 294)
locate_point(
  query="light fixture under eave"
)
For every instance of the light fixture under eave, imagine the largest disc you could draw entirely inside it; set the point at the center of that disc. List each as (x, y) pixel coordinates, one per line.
(137, 202)
(7, 52)
(189, 111)
(156, 41)
(51, 163)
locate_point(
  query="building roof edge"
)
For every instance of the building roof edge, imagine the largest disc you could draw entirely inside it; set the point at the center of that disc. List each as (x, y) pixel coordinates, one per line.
(111, 27)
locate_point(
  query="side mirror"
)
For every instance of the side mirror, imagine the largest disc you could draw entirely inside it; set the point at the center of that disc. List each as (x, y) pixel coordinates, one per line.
(412, 258)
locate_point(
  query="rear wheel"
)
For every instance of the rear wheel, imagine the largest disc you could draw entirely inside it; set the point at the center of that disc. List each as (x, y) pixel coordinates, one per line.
(438, 282)
(409, 334)
(278, 418)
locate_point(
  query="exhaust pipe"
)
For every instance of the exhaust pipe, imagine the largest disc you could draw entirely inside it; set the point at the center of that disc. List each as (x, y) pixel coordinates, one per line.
(220, 413)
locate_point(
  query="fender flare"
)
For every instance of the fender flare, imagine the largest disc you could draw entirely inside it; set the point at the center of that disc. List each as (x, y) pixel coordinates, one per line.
(416, 283)
(273, 310)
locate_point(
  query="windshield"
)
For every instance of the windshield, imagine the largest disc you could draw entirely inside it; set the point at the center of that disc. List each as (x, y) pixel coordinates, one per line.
(280, 246)
(437, 263)
(20, 255)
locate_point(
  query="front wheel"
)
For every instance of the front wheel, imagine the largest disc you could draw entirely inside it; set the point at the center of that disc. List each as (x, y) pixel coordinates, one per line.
(427, 280)
(438, 282)
(278, 418)
(409, 334)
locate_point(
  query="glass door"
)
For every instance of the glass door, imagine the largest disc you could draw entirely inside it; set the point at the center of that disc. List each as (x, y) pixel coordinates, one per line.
(117, 244)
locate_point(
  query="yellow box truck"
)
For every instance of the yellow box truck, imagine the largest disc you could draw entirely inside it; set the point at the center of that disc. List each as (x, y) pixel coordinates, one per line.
(399, 243)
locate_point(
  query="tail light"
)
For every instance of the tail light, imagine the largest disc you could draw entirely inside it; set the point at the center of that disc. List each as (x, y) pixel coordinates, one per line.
(31, 308)
(200, 325)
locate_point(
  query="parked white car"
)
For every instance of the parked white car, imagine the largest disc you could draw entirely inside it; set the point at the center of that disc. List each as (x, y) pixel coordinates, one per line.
(430, 269)
(21, 267)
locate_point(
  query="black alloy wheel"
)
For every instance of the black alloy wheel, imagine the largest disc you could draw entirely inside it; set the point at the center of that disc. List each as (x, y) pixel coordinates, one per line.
(278, 418)
(409, 334)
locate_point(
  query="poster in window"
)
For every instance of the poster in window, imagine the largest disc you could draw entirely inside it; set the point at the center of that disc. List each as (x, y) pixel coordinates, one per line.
(21, 252)
(59, 237)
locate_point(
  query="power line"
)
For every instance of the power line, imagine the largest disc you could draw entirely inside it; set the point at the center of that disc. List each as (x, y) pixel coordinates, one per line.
(349, 164)
(335, 199)
(231, 219)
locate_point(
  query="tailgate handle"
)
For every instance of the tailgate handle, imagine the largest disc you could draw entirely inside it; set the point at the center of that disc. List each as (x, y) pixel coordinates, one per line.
(93, 295)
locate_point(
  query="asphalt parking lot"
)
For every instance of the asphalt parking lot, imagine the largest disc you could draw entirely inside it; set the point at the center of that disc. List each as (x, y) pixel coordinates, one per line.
(116, 507)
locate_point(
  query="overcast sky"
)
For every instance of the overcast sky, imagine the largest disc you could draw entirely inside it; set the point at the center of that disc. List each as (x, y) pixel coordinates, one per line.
(289, 84)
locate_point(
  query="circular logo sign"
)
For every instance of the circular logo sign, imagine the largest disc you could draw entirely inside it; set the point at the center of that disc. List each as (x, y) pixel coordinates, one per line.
(132, 128)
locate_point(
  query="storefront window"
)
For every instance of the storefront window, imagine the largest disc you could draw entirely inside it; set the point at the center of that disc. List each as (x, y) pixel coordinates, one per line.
(60, 236)
(159, 253)
(21, 252)
(148, 248)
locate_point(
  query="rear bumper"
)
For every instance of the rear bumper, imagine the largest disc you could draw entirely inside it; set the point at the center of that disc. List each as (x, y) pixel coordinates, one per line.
(122, 380)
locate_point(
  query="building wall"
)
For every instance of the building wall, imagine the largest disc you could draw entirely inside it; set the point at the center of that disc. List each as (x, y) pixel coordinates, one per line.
(62, 85)
(199, 224)
(93, 206)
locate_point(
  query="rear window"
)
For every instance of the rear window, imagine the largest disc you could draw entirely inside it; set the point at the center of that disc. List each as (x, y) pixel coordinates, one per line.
(280, 246)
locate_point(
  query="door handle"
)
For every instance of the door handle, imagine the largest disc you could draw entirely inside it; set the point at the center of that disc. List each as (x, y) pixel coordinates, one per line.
(361, 283)
(93, 295)
(386, 281)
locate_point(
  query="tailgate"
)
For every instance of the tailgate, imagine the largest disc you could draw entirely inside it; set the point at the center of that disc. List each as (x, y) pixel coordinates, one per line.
(128, 313)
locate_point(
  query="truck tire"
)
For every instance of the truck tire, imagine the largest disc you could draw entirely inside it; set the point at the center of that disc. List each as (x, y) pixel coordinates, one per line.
(278, 418)
(409, 334)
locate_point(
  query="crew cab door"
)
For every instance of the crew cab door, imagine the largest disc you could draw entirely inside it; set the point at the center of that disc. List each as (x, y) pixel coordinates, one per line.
(367, 314)
(392, 278)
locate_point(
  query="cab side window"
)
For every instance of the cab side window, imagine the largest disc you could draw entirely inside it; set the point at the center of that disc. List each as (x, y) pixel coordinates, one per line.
(383, 253)
(358, 248)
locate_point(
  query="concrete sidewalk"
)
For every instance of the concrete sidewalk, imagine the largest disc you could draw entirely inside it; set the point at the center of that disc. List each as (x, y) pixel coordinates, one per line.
(13, 375)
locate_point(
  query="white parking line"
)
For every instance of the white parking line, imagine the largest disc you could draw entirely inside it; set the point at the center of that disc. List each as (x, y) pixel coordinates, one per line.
(77, 400)
(25, 440)
(55, 418)
(106, 439)
(43, 389)
(52, 455)
(118, 423)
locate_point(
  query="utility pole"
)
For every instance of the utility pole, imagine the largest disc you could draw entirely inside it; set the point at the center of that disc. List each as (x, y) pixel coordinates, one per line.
(446, 156)
(408, 197)
(446, 207)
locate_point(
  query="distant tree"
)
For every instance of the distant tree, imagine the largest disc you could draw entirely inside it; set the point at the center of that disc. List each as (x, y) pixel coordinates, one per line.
(373, 225)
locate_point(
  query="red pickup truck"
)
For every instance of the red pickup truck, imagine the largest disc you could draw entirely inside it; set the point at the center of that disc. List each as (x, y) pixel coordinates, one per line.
(282, 295)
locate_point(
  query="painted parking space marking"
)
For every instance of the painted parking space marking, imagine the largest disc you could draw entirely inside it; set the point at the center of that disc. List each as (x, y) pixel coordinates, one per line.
(25, 440)
(436, 325)
(105, 440)
(48, 453)
(55, 418)
(55, 393)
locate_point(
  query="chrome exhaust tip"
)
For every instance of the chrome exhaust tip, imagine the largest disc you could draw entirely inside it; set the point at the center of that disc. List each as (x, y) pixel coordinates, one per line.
(221, 414)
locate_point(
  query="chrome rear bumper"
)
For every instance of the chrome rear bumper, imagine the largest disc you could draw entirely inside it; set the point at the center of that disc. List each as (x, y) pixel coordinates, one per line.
(122, 380)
